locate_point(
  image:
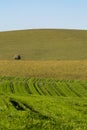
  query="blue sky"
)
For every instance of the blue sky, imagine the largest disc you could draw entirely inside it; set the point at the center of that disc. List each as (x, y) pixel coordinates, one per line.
(32, 14)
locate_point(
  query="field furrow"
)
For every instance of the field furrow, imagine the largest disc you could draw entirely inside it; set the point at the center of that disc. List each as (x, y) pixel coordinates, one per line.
(27, 103)
(48, 87)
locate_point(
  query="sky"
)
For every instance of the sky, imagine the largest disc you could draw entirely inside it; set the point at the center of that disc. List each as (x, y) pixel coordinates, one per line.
(38, 14)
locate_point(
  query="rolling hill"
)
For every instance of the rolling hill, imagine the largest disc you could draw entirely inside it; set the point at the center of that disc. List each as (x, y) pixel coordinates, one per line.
(47, 89)
(44, 44)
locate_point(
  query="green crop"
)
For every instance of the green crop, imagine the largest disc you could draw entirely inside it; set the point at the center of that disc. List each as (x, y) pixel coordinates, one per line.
(42, 104)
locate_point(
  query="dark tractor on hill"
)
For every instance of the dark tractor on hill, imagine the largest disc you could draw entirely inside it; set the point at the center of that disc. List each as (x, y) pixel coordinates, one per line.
(17, 57)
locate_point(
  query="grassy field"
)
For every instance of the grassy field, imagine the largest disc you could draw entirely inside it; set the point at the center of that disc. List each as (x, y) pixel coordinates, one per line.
(51, 44)
(47, 89)
(67, 69)
(42, 104)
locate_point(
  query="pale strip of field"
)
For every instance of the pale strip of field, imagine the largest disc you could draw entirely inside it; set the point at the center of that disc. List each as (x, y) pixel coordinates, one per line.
(65, 69)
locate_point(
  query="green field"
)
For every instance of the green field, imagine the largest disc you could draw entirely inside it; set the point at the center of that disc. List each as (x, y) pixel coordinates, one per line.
(51, 44)
(47, 89)
(42, 104)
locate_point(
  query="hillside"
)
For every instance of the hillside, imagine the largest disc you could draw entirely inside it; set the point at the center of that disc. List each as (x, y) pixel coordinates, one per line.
(51, 44)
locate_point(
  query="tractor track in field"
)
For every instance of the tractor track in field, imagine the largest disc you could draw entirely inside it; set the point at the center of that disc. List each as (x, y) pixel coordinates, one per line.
(71, 88)
(21, 106)
(27, 88)
(44, 87)
(12, 87)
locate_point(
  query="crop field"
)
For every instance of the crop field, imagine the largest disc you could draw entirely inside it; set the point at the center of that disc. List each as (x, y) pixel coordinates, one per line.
(59, 69)
(45, 44)
(42, 104)
(47, 88)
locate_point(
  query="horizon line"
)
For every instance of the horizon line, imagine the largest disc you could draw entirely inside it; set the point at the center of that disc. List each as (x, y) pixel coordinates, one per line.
(26, 29)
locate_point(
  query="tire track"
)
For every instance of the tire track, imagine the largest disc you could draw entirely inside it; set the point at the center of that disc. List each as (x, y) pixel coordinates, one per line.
(21, 106)
(12, 87)
(77, 94)
(27, 88)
